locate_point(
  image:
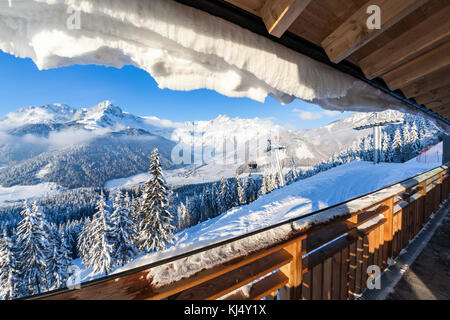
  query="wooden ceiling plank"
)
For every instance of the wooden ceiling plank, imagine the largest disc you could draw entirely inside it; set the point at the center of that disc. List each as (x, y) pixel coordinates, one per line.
(252, 6)
(446, 113)
(433, 95)
(430, 33)
(434, 81)
(443, 107)
(278, 15)
(438, 103)
(427, 63)
(353, 33)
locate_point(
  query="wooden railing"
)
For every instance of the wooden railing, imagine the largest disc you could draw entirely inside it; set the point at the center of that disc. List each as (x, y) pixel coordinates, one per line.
(322, 256)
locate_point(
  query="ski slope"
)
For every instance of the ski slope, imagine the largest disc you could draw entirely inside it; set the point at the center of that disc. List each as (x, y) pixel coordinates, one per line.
(320, 191)
(18, 193)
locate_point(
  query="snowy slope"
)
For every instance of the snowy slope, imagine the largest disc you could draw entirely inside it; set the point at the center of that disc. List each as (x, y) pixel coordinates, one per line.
(18, 193)
(325, 189)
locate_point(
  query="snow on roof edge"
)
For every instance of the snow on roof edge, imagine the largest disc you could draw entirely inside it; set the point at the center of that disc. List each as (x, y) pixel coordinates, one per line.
(183, 48)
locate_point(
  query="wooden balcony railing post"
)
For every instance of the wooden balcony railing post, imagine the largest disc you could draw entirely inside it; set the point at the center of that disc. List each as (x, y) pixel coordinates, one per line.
(293, 270)
(388, 229)
(423, 207)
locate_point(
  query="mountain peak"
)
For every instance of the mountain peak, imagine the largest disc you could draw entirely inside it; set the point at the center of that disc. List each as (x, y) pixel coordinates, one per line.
(49, 113)
(104, 105)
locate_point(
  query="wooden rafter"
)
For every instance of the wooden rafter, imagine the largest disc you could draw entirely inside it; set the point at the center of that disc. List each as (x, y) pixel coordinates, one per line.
(419, 67)
(446, 114)
(442, 108)
(278, 15)
(417, 40)
(433, 81)
(353, 33)
(438, 103)
(433, 95)
(252, 6)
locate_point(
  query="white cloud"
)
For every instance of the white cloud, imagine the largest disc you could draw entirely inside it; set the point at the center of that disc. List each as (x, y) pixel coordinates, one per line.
(307, 115)
(331, 113)
(314, 115)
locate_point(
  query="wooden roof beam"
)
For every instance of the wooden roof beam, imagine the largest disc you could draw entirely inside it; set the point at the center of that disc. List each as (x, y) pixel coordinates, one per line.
(430, 33)
(431, 61)
(353, 33)
(433, 81)
(252, 6)
(278, 15)
(433, 95)
(442, 108)
(438, 103)
(446, 114)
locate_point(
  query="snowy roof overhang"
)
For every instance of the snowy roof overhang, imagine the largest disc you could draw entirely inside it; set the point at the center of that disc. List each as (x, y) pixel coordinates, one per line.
(229, 51)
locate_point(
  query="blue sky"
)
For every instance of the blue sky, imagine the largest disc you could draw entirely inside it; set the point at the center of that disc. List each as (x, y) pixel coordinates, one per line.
(135, 91)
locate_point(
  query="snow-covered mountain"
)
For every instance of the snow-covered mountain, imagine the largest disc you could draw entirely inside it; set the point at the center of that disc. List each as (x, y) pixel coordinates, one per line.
(89, 146)
(104, 115)
(48, 114)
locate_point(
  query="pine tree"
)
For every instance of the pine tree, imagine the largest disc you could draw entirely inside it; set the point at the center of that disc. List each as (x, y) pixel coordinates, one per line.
(368, 148)
(251, 189)
(414, 136)
(156, 230)
(59, 262)
(85, 240)
(292, 174)
(385, 155)
(136, 214)
(208, 205)
(225, 196)
(241, 191)
(32, 250)
(183, 217)
(123, 230)
(274, 182)
(9, 277)
(265, 186)
(100, 255)
(397, 144)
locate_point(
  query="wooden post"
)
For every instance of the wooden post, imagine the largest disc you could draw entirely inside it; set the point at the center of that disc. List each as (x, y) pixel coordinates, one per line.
(388, 227)
(293, 270)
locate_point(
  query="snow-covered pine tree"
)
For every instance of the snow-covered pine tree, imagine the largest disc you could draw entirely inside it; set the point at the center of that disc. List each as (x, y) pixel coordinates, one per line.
(251, 189)
(407, 142)
(292, 174)
(385, 155)
(274, 182)
(85, 240)
(156, 230)
(225, 196)
(414, 136)
(265, 186)
(183, 217)
(368, 148)
(397, 144)
(136, 214)
(99, 256)
(32, 246)
(9, 277)
(241, 186)
(123, 230)
(59, 263)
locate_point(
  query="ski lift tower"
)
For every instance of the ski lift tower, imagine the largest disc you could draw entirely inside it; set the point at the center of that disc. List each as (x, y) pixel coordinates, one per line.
(276, 148)
(376, 121)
